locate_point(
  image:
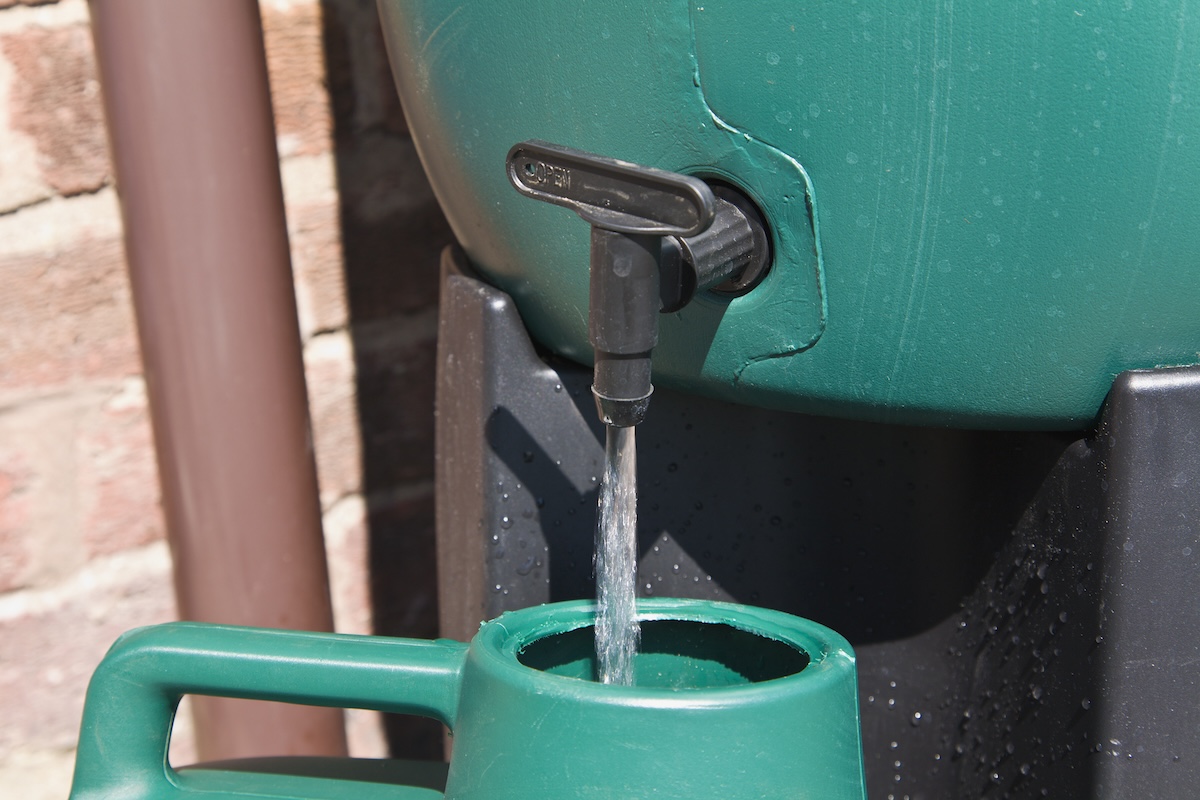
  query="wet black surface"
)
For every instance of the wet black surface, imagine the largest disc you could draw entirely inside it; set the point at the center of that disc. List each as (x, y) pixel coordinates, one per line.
(1005, 592)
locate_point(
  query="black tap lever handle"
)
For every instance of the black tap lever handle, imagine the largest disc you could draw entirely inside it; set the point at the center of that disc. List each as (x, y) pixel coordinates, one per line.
(610, 194)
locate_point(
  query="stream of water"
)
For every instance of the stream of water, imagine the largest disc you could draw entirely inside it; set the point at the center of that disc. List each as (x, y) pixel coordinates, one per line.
(616, 559)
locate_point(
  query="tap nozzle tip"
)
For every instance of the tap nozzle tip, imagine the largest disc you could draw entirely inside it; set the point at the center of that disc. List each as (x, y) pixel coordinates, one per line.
(622, 388)
(621, 412)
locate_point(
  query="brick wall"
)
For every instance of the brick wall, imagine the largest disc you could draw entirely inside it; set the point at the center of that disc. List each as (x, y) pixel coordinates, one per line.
(82, 553)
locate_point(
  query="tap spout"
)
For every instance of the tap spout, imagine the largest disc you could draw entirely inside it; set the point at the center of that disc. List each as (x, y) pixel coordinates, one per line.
(623, 322)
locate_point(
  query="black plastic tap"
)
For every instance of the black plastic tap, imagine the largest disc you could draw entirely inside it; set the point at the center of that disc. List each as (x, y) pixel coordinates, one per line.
(632, 209)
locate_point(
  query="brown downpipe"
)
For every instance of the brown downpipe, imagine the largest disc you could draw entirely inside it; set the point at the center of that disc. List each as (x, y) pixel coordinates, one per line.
(193, 145)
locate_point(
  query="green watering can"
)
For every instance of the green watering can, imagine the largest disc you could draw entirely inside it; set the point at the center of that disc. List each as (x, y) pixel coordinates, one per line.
(730, 702)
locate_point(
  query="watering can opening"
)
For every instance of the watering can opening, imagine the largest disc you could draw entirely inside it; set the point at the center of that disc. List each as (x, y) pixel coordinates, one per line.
(675, 654)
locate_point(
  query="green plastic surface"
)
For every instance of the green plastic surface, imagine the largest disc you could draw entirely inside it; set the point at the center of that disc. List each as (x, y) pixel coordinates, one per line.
(982, 211)
(133, 695)
(736, 702)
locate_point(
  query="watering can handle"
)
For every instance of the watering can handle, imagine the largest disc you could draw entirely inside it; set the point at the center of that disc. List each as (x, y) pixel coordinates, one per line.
(133, 695)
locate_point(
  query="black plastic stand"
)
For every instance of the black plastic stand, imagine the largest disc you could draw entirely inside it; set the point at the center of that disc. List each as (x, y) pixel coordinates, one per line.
(1025, 606)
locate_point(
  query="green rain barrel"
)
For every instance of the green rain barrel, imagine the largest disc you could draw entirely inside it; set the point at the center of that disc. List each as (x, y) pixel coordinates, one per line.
(980, 212)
